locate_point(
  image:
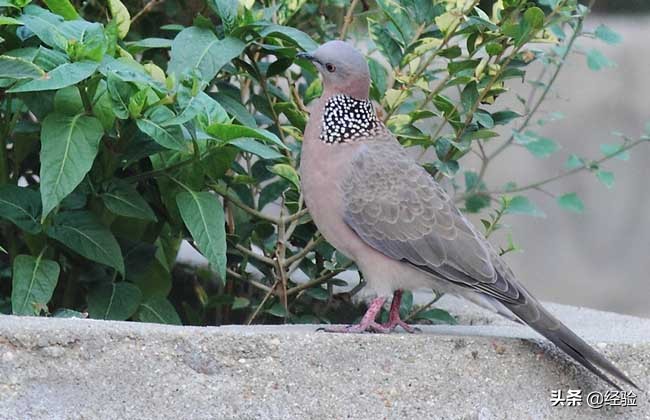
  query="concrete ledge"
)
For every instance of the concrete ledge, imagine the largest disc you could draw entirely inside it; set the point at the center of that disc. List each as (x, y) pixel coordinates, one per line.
(85, 369)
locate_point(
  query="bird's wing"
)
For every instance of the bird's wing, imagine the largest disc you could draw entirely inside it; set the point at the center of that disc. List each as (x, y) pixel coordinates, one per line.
(396, 207)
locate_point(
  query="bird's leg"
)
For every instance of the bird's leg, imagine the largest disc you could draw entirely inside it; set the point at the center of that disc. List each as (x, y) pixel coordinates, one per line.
(393, 316)
(367, 323)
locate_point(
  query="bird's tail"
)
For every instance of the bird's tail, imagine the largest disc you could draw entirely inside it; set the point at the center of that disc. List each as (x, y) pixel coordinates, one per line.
(538, 318)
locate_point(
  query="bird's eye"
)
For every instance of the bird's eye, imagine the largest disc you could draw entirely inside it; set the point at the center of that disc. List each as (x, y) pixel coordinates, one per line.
(330, 67)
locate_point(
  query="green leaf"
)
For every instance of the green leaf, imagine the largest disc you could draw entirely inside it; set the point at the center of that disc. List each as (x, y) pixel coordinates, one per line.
(208, 110)
(539, 146)
(597, 61)
(84, 234)
(504, 117)
(571, 202)
(287, 172)
(148, 43)
(227, 11)
(199, 48)
(606, 177)
(378, 76)
(204, 218)
(604, 33)
(229, 132)
(121, 16)
(120, 93)
(68, 148)
(469, 96)
(574, 162)
(62, 8)
(256, 148)
(437, 316)
(158, 310)
(67, 74)
(240, 303)
(19, 68)
(277, 310)
(292, 35)
(398, 15)
(33, 283)
(44, 25)
(170, 137)
(6, 20)
(22, 206)
(113, 301)
(534, 17)
(68, 313)
(522, 205)
(385, 42)
(615, 151)
(123, 199)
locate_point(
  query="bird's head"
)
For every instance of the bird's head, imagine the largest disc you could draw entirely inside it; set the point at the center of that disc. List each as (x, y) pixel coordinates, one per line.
(343, 67)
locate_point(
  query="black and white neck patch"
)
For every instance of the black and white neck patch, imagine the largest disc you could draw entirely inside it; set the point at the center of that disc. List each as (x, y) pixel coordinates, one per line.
(346, 119)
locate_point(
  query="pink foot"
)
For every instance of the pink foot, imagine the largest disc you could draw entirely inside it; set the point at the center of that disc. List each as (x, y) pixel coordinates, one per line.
(368, 322)
(394, 319)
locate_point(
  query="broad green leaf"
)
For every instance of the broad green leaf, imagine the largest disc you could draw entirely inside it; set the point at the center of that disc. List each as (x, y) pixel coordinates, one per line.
(6, 20)
(44, 24)
(469, 96)
(19, 68)
(606, 177)
(615, 150)
(235, 108)
(121, 16)
(227, 11)
(120, 93)
(229, 132)
(379, 77)
(33, 282)
(256, 148)
(385, 42)
(147, 43)
(534, 17)
(204, 218)
(170, 137)
(199, 48)
(437, 316)
(400, 18)
(22, 206)
(571, 202)
(522, 205)
(158, 310)
(504, 117)
(113, 301)
(123, 199)
(62, 8)
(287, 172)
(69, 145)
(278, 310)
(192, 106)
(84, 234)
(292, 35)
(604, 33)
(65, 75)
(597, 61)
(240, 303)
(68, 313)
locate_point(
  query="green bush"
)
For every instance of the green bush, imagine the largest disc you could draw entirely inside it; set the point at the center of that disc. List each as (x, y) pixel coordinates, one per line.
(122, 137)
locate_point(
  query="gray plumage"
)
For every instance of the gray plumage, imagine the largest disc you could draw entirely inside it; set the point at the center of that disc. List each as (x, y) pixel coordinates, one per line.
(375, 204)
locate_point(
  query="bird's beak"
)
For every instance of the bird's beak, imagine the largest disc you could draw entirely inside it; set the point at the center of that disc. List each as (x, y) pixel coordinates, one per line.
(306, 56)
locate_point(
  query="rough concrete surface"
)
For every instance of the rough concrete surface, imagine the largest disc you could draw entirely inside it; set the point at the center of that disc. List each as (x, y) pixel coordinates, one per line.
(85, 369)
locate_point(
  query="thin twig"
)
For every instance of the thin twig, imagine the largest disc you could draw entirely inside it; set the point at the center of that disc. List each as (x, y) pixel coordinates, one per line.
(254, 255)
(347, 20)
(320, 280)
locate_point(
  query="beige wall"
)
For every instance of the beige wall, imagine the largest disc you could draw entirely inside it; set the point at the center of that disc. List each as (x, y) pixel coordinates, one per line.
(600, 259)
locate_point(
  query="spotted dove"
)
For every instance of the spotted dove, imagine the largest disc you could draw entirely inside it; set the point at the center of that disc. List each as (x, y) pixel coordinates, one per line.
(376, 205)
